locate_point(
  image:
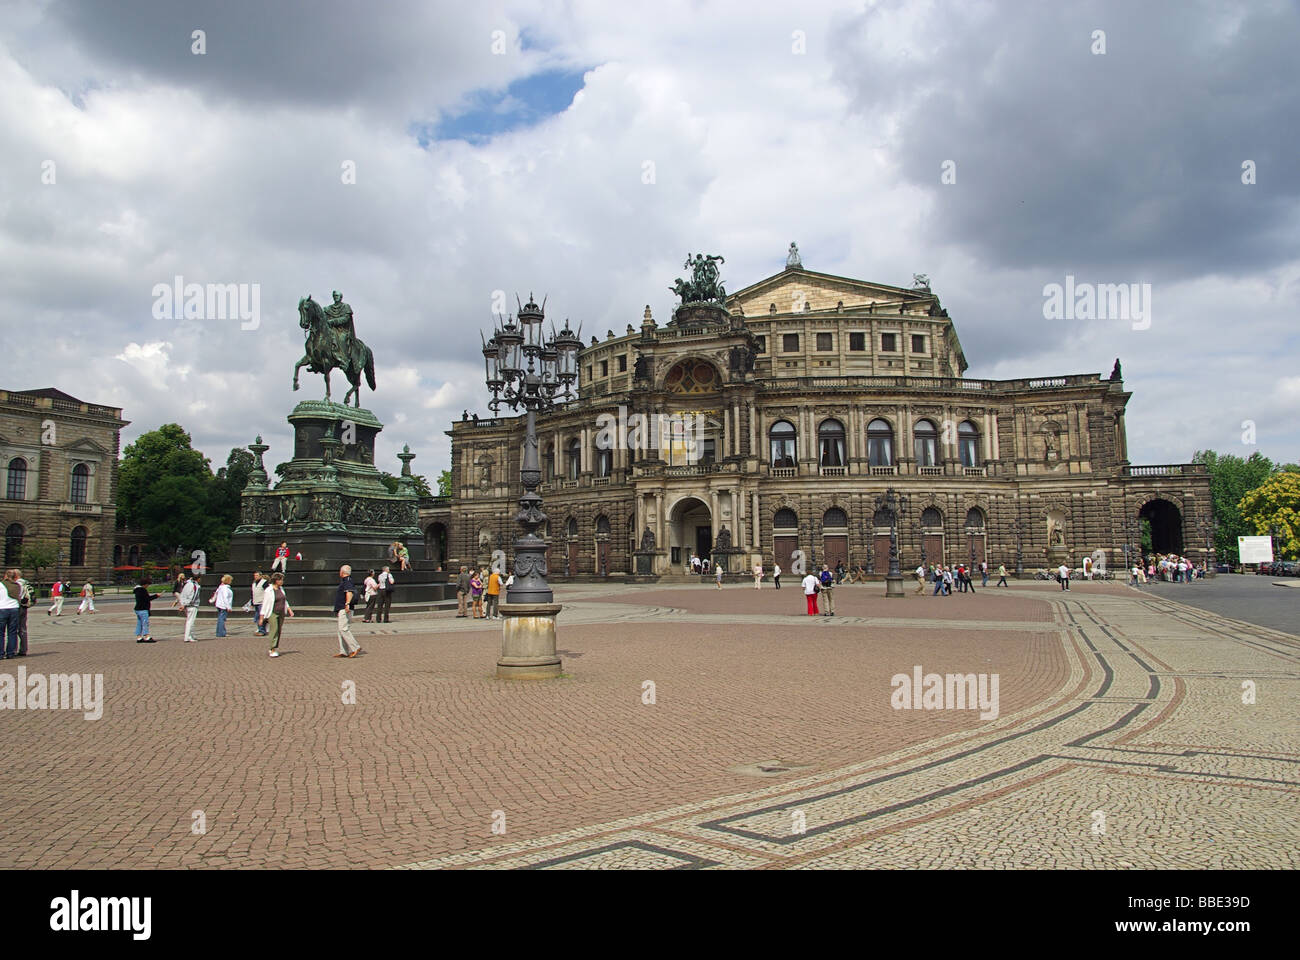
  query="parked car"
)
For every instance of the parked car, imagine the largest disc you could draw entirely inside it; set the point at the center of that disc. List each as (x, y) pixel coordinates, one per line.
(1223, 568)
(1291, 568)
(1264, 570)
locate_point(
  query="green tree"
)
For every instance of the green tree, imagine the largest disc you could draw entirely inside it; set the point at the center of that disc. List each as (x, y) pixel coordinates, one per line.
(165, 489)
(444, 483)
(37, 556)
(1231, 478)
(1274, 507)
(225, 496)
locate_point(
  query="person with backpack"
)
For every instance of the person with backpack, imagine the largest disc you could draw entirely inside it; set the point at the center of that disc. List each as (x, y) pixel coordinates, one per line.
(827, 583)
(189, 601)
(811, 587)
(386, 585)
(87, 598)
(9, 607)
(143, 601)
(25, 601)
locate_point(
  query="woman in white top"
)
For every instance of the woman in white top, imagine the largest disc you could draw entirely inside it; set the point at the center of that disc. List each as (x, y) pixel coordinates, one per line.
(370, 596)
(811, 586)
(758, 575)
(224, 598)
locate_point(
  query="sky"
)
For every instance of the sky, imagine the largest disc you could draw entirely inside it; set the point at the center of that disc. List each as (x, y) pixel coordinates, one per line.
(423, 158)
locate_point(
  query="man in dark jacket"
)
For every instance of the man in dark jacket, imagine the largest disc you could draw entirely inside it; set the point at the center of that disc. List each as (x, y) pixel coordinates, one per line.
(462, 593)
(348, 646)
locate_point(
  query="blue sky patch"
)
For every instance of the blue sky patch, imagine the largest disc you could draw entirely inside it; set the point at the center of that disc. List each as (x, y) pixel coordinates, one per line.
(525, 102)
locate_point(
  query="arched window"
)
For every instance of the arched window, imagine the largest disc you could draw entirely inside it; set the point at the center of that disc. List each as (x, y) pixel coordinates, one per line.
(880, 443)
(925, 443)
(782, 437)
(133, 556)
(835, 517)
(80, 483)
(13, 544)
(572, 527)
(931, 517)
(575, 458)
(78, 546)
(830, 443)
(604, 463)
(602, 525)
(117, 554)
(16, 487)
(975, 518)
(785, 519)
(968, 444)
(548, 462)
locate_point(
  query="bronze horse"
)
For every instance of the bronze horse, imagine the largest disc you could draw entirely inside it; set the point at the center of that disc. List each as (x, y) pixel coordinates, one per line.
(323, 355)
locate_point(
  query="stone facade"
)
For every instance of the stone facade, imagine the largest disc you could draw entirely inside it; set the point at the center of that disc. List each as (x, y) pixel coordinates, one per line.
(809, 396)
(60, 458)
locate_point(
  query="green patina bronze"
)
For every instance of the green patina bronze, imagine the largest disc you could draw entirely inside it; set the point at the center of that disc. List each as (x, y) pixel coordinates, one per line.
(332, 344)
(704, 285)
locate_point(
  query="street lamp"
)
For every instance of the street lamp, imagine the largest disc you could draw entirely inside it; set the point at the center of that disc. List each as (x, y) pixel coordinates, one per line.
(893, 503)
(523, 370)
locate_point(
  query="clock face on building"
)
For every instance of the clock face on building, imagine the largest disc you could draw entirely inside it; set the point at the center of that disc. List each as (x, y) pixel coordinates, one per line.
(692, 376)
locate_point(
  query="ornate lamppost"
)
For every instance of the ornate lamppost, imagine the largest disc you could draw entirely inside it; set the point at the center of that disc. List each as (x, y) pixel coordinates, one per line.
(893, 503)
(1018, 528)
(523, 370)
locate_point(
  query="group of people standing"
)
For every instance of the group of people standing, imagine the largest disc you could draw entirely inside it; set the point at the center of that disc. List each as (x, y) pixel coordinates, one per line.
(478, 593)
(946, 576)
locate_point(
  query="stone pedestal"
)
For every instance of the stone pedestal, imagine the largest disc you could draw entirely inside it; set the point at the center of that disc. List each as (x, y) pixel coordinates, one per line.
(528, 641)
(894, 586)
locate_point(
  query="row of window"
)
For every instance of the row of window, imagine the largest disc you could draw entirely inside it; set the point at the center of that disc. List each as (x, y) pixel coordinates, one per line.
(786, 519)
(16, 482)
(783, 437)
(15, 534)
(889, 342)
(603, 367)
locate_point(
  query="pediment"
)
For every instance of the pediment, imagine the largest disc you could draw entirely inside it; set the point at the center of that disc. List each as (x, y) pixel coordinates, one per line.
(86, 445)
(823, 291)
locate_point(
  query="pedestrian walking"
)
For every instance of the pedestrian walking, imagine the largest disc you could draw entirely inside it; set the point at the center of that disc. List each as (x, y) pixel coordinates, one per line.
(260, 583)
(947, 581)
(1133, 573)
(348, 646)
(87, 598)
(57, 592)
(827, 582)
(143, 602)
(984, 573)
(476, 595)
(938, 580)
(223, 598)
(811, 587)
(1002, 576)
(970, 583)
(776, 575)
(1063, 574)
(758, 576)
(370, 594)
(717, 575)
(177, 586)
(9, 598)
(493, 595)
(275, 608)
(189, 599)
(920, 578)
(25, 600)
(841, 572)
(462, 593)
(387, 586)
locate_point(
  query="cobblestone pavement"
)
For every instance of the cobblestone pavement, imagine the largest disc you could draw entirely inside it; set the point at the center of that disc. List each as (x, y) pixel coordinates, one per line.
(1121, 739)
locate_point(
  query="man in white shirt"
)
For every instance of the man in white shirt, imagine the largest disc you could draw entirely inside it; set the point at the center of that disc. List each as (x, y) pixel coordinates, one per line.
(920, 578)
(776, 575)
(190, 604)
(810, 588)
(10, 594)
(1063, 573)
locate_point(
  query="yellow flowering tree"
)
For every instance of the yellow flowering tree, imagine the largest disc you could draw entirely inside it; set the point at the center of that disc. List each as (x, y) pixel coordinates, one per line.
(1275, 504)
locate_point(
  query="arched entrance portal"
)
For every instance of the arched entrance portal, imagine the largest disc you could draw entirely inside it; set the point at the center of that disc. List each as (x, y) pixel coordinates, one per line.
(690, 530)
(1166, 524)
(435, 543)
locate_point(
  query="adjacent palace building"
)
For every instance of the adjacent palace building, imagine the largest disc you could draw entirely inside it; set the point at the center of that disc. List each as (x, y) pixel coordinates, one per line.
(818, 394)
(60, 458)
